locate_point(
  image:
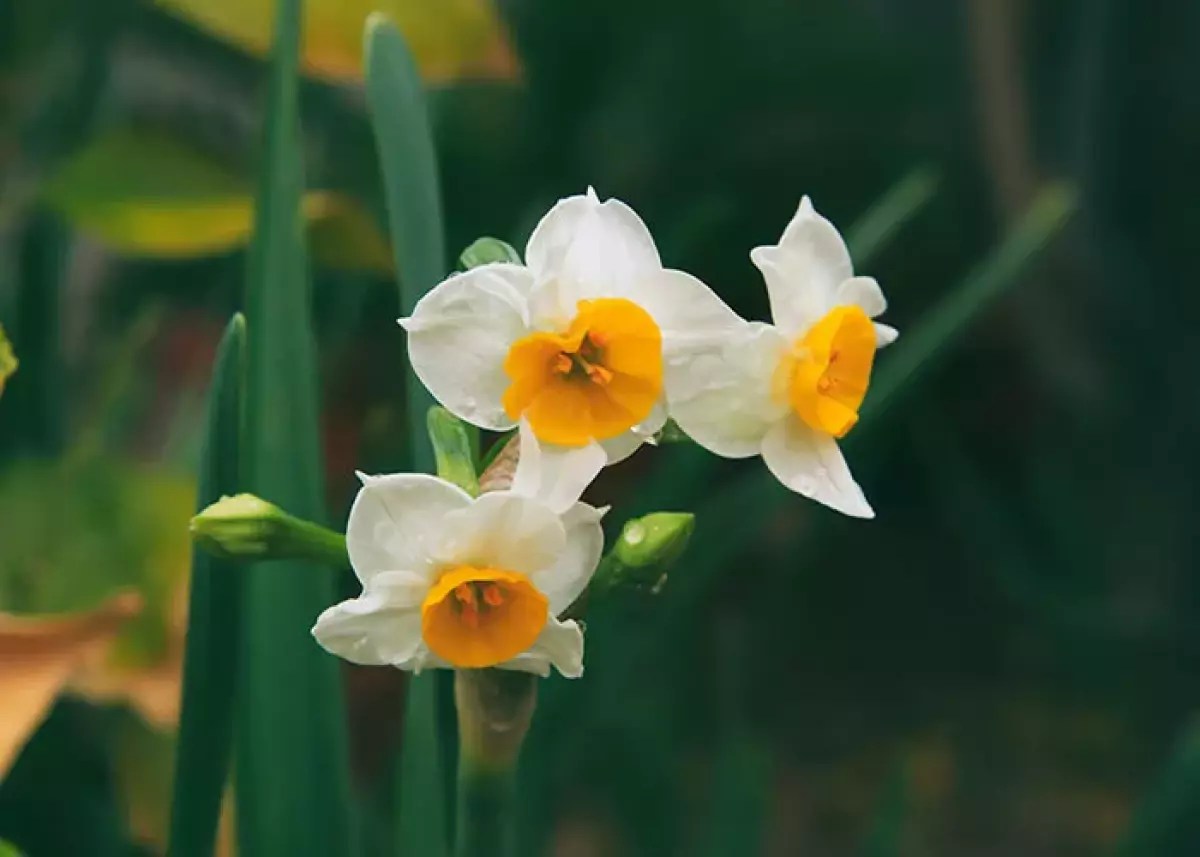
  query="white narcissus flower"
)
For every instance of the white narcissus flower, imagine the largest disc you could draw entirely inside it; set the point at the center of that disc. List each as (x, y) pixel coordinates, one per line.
(574, 341)
(459, 582)
(789, 390)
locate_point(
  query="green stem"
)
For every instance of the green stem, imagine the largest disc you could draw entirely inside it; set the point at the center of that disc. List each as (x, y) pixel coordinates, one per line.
(307, 540)
(494, 710)
(486, 810)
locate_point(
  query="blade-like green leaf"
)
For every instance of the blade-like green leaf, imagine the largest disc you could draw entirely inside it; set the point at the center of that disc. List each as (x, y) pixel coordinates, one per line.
(875, 229)
(151, 195)
(409, 166)
(202, 753)
(8, 360)
(410, 174)
(1050, 212)
(1167, 824)
(292, 771)
(885, 836)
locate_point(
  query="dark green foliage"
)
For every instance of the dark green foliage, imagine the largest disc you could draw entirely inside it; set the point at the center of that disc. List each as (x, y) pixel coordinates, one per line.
(291, 730)
(215, 615)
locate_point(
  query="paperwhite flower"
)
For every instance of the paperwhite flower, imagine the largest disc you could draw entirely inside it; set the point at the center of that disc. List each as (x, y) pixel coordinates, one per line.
(789, 390)
(459, 582)
(573, 340)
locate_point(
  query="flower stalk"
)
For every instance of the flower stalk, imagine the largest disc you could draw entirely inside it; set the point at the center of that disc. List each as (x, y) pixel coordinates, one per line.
(495, 708)
(247, 528)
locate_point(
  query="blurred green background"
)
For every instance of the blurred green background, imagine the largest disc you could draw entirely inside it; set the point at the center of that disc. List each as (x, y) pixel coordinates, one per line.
(1005, 662)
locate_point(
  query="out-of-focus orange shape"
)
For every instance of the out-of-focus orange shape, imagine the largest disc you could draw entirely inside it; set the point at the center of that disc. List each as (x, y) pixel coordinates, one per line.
(39, 655)
(450, 39)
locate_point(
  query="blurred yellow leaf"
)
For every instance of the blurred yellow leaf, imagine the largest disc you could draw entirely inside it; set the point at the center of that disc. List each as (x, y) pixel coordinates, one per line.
(148, 195)
(8, 360)
(450, 39)
(39, 654)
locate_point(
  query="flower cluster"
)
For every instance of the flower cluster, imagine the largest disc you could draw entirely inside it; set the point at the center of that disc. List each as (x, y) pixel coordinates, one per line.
(590, 347)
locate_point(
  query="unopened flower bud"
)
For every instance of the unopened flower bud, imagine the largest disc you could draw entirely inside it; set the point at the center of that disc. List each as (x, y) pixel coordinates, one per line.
(641, 557)
(486, 251)
(246, 527)
(654, 542)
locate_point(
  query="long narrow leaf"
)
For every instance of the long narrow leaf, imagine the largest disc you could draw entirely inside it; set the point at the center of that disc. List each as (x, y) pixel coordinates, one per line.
(292, 770)
(1167, 824)
(409, 167)
(202, 753)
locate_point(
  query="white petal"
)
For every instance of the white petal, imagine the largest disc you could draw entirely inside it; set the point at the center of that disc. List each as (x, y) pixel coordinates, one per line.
(795, 306)
(864, 293)
(395, 521)
(555, 475)
(885, 335)
(597, 249)
(505, 531)
(804, 270)
(459, 335)
(811, 464)
(617, 449)
(720, 390)
(560, 644)
(368, 630)
(568, 577)
(682, 305)
(626, 444)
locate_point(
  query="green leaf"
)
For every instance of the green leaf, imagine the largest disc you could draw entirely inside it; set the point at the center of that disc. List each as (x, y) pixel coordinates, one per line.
(292, 769)
(879, 225)
(150, 195)
(410, 175)
(8, 360)
(453, 39)
(1167, 823)
(885, 836)
(941, 327)
(451, 441)
(214, 620)
(7, 849)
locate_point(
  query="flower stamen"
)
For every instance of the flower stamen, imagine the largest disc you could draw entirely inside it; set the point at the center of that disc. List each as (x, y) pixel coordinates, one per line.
(827, 371)
(594, 381)
(480, 617)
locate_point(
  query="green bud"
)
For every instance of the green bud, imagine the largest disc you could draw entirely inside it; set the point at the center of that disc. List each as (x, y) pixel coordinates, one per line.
(655, 541)
(486, 251)
(246, 527)
(454, 448)
(641, 557)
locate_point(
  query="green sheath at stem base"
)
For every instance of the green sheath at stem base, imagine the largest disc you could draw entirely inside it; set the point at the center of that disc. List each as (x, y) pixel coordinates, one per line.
(486, 811)
(494, 711)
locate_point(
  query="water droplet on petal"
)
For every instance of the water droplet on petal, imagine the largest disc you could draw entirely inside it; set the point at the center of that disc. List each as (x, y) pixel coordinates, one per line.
(806, 486)
(634, 534)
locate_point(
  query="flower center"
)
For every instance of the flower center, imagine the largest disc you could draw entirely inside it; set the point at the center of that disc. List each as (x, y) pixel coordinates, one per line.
(595, 381)
(826, 374)
(480, 617)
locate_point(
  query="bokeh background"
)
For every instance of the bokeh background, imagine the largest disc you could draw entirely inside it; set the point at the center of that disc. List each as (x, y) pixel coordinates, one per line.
(1005, 662)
